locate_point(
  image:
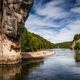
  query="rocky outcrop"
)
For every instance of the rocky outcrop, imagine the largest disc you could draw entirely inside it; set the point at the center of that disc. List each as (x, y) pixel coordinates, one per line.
(74, 43)
(12, 12)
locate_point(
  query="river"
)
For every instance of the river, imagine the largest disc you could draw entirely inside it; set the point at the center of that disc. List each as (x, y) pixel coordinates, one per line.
(64, 65)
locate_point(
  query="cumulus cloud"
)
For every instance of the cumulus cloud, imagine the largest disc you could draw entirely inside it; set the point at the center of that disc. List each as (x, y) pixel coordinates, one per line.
(76, 10)
(78, 1)
(67, 34)
(53, 21)
(52, 10)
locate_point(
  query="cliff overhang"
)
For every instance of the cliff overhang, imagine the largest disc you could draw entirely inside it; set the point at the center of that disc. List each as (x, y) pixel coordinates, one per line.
(12, 12)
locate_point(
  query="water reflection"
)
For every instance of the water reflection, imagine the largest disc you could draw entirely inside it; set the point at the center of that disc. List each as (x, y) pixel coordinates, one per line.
(9, 72)
(27, 67)
(20, 71)
(77, 55)
(61, 66)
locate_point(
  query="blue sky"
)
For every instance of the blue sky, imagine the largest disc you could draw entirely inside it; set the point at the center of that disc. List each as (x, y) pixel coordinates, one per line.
(55, 20)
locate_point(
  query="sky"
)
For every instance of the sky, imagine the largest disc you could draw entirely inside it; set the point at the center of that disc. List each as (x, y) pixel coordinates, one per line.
(55, 20)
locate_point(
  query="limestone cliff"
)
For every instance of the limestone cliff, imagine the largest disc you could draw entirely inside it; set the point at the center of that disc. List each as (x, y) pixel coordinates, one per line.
(76, 42)
(12, 12)
(73, 46)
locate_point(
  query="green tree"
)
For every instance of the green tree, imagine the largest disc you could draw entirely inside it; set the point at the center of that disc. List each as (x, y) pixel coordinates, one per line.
(77, 46)
(77, 37)
(32, 42)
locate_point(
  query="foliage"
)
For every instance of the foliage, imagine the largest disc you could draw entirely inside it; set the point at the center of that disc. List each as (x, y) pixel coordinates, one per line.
(70, 43)
(77, 46)
(76, 40)
(76, 37)
(32, 42)
(63, 44)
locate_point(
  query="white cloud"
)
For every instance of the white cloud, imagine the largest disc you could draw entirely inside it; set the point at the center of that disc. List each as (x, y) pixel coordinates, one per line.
(51, 10)
(65, 34)
(35, 21)
(68, 34)
(78, 1)
(46, 26)
(76, 10)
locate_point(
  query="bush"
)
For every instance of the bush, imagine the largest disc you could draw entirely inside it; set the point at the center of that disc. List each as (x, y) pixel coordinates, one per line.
(32, 42)
(77, 46)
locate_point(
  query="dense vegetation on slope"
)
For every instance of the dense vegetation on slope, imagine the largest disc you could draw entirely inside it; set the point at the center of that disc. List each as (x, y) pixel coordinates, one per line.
(77, 41)
(32, 42)
(76, 37)
(63, 44)
(75, 44)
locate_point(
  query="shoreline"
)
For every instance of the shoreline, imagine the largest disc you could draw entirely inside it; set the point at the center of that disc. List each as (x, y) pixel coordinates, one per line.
(37, 54)
(28, 55)
(9, 62)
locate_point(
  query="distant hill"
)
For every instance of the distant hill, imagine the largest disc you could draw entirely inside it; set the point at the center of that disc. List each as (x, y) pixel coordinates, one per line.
(31, 41)
(75, 44)
(63, 44)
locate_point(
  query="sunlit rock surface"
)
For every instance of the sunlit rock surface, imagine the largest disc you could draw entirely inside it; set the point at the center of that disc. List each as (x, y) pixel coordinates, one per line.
(12, 12)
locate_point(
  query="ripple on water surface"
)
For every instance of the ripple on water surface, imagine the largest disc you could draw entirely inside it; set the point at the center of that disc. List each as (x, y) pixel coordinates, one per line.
(61, 66)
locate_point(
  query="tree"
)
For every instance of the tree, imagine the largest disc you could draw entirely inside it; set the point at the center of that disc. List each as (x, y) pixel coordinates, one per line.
(32, 42)
(77, 46)
(77, 37)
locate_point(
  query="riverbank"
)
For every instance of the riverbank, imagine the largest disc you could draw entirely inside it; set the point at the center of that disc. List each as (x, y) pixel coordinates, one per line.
(13, 59)
(10, 58)
(38, 54)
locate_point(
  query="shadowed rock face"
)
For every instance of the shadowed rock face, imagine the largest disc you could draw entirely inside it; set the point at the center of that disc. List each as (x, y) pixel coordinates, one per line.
(12, 12)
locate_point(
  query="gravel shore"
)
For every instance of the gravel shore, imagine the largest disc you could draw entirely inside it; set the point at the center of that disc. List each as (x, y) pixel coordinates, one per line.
(38, 54)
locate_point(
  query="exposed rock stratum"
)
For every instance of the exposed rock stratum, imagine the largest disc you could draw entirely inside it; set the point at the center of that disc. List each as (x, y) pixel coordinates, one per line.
(12, 12)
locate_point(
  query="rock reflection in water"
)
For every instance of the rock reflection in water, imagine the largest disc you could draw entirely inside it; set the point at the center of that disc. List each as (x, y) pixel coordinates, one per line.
(18, 72)
(9, 72)
(77, 55)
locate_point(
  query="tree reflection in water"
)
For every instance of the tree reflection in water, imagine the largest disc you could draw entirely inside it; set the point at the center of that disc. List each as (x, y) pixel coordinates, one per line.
(77, 55)
(28, 66)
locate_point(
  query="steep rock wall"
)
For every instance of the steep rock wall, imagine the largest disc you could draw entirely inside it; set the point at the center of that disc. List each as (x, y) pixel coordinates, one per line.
(12, 12)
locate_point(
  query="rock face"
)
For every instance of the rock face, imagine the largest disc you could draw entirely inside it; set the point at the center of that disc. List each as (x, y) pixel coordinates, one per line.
(74, 43)
(12, 12)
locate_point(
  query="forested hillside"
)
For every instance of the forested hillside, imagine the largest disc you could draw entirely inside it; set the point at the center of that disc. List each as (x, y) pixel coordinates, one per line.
(63, 45)
(76, 42)
(31, 41)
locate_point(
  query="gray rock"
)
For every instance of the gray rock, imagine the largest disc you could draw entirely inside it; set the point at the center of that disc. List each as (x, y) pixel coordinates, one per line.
(12, 12)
